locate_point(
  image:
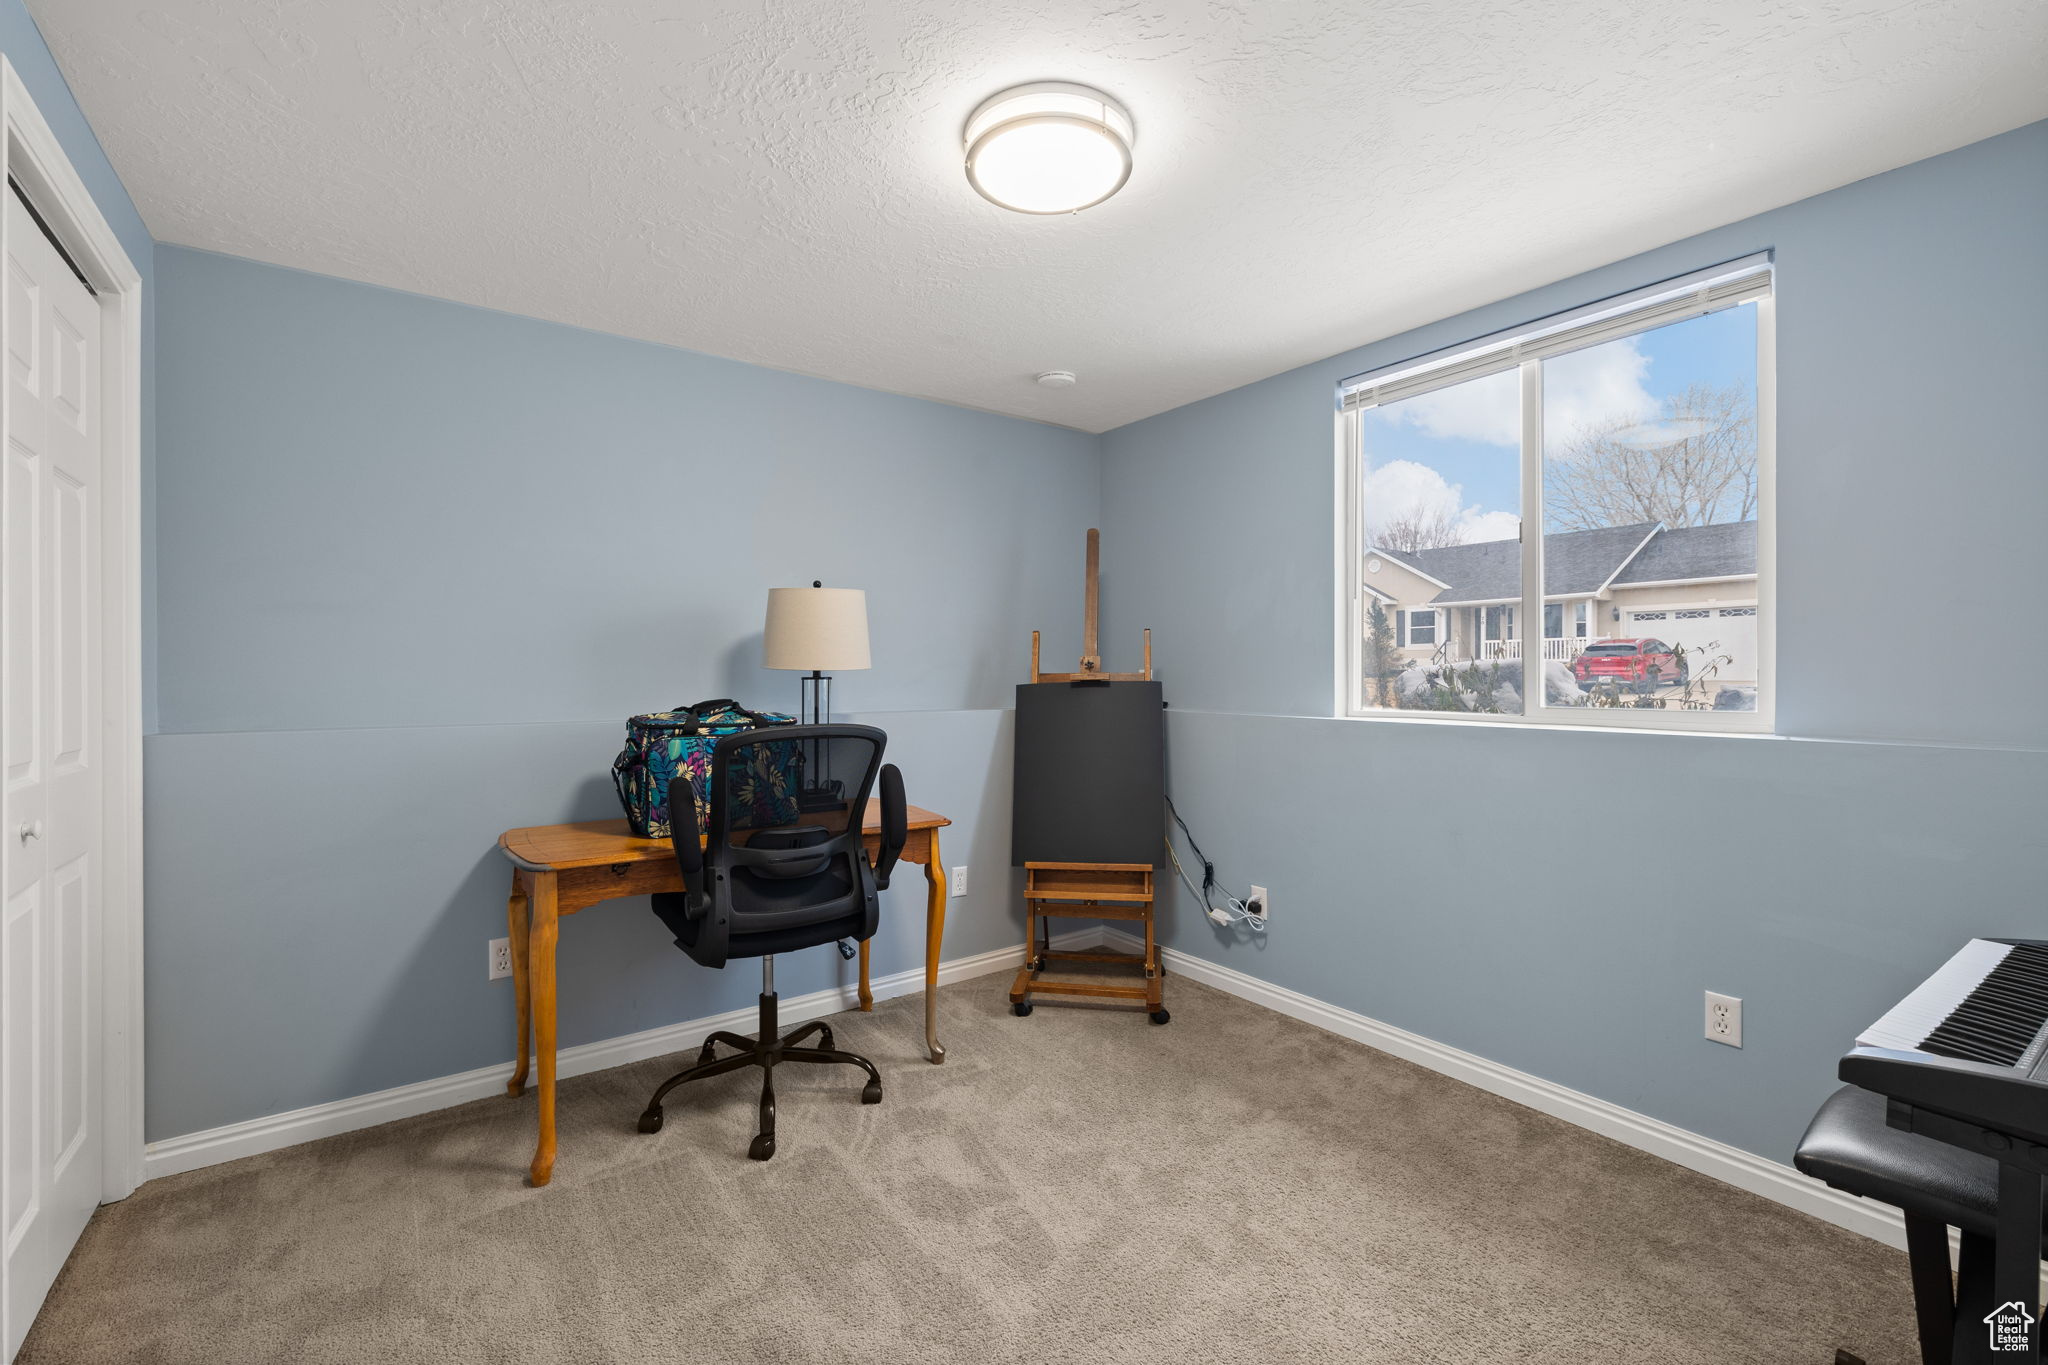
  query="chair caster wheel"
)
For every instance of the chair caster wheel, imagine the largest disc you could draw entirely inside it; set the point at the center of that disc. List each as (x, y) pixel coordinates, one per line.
(1021, 1008)
(762, 1147)
(1160, 1016)
(650, 1122)
(871, 1093)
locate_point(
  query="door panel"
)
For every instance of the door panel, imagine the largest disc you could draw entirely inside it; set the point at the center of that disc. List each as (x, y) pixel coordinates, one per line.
(51, 795)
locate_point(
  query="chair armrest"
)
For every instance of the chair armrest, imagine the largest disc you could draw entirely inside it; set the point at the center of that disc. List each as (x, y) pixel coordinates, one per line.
(895, 825)
(689, 845)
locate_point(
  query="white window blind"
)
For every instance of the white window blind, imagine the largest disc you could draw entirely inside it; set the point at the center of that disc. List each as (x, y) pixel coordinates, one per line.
(1689, 296)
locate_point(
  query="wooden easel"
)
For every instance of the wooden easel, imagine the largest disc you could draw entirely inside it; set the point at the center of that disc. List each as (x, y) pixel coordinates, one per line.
(1088, 891)
(1091, 655)
(1121, 891)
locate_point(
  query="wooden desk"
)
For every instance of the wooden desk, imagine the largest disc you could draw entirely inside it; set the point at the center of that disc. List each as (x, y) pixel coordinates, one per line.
(560, 869)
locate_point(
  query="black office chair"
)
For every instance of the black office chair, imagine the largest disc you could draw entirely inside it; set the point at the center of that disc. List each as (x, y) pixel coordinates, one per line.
(1937, 1187)
(783, 868)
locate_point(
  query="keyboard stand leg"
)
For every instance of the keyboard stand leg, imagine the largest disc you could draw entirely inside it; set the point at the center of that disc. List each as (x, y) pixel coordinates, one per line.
(1934, 1304)
(1974, 1298)
(2018, 1259)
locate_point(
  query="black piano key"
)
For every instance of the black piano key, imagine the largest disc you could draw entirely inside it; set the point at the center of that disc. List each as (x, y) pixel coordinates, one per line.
(2001, 1016)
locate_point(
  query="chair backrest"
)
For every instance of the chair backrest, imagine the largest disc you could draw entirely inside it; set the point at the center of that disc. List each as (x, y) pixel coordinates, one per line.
(783, 801)
(783, 845)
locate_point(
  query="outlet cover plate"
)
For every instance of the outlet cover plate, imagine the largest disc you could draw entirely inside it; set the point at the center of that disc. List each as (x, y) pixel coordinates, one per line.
(957, 883)
(1724, 1019)
(501, 958)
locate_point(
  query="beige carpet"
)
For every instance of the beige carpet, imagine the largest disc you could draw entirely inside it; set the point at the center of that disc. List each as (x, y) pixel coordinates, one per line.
(1234, 1187)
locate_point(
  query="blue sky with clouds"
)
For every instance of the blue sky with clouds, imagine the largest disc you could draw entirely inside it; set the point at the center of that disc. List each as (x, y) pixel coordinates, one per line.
(1457, 451)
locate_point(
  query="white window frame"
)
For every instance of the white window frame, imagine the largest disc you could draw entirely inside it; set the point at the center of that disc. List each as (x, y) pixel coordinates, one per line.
(1523, 349)
(1409, 623)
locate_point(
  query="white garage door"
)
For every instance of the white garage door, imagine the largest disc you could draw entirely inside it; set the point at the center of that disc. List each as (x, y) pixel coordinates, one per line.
(1712, 630)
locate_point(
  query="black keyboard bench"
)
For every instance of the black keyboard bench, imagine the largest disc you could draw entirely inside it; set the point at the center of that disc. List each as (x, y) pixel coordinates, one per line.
(1937, 1187)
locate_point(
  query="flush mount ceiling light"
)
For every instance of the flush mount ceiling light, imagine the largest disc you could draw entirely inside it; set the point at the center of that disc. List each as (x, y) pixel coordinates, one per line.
(1049, 147)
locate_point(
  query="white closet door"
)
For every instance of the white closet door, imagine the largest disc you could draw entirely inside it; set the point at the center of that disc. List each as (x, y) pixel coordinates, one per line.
(50, 767)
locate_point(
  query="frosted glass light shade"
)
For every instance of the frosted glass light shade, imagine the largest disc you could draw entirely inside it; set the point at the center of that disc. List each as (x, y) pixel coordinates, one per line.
(822, 630)
(1051, 147)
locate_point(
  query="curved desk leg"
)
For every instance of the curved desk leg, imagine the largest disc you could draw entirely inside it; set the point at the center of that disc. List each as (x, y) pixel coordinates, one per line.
(541, 971)
(934, 936)
(522, 984)
(867, 997)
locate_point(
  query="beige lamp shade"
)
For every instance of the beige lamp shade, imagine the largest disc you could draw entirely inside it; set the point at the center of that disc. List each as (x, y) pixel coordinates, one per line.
(823, 630)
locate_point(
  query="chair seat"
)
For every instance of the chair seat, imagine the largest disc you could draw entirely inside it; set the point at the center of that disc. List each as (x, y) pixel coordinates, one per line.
(1849, 1146)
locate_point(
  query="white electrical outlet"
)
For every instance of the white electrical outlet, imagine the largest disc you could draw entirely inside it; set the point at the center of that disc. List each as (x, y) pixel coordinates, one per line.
(1260, 903)
(1724, 1019)
(958, 881)
(501, 958)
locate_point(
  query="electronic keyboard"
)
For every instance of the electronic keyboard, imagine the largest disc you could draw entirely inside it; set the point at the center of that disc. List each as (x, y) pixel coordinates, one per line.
(1967, 1043)
(1960, 1060)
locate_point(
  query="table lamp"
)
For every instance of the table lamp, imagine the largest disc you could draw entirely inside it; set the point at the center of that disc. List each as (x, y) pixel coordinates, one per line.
(816, 630)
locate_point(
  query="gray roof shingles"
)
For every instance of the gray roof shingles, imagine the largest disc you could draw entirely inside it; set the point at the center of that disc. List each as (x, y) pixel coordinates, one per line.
(1724, 550)
(1491, 571)
(1577, 562)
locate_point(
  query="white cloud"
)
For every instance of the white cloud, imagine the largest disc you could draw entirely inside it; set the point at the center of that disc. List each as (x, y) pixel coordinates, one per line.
(1402, 490)
(1475, 526)
(1601, 386)
(1594, 387)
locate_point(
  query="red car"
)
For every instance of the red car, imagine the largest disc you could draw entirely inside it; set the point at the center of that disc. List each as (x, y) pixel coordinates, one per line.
(1643, 664)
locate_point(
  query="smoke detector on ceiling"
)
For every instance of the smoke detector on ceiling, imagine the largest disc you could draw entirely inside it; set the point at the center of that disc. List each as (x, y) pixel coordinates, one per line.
(1056, 379)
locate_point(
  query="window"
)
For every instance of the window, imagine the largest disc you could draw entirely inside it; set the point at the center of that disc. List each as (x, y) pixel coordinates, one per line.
(1605, 472)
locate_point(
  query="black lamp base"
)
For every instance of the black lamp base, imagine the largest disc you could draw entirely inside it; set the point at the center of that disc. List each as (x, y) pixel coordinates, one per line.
(820, 792)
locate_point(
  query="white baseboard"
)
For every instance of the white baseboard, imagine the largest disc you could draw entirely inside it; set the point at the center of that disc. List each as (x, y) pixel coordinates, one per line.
(273, 1131)
(1732, 1165)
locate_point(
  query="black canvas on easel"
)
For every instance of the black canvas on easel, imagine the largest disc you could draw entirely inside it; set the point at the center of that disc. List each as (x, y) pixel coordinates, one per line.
(1090, 773)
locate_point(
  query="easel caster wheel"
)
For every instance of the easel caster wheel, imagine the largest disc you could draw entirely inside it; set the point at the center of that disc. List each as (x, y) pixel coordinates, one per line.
(650, 1122)
(1020, 1008)
(871, 1093)
(762, 1147)
(1160, 1016)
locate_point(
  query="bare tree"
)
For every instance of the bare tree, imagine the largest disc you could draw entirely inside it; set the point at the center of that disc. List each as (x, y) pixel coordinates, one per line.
(1610, 475)
(1417, 531)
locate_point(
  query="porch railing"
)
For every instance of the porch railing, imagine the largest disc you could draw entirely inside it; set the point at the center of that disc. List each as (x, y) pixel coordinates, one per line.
(1558, 651)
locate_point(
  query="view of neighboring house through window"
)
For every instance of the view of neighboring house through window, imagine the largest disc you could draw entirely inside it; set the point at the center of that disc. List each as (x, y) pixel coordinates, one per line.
(1665, 455)
(1436, 479)
(1631, 432)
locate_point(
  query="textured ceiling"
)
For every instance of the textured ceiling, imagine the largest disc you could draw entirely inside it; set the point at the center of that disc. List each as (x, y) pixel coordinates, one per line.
(778, 181)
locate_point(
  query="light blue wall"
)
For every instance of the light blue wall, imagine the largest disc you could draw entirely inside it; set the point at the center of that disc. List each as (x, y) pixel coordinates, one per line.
(417, 564)
(1442, 878)
(23, 43)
